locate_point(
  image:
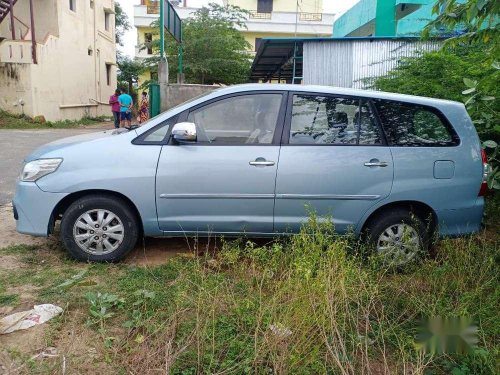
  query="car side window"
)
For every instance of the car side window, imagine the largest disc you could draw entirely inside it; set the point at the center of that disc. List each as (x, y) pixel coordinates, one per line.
(243, 119)
(413, 125)
(159, 133)
(332, 120)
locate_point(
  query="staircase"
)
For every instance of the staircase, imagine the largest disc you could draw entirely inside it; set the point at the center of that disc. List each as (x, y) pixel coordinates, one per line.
(5, 8)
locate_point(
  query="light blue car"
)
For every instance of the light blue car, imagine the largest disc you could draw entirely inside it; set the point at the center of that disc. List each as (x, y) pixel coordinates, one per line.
(255, 160)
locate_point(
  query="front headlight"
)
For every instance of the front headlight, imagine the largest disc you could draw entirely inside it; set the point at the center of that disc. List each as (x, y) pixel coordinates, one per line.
(36, 169)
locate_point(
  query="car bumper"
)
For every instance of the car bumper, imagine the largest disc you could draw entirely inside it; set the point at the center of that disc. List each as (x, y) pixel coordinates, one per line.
(33, 208)
(454, 223)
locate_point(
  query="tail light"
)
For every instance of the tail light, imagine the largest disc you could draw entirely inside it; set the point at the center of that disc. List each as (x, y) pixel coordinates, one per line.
(486, 171)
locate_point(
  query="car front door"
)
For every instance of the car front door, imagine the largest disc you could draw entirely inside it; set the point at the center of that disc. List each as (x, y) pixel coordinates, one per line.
(332, 161)
(225, 181)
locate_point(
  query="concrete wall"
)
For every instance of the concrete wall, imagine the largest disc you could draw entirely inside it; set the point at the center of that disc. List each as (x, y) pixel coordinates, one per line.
(173, 95)
(45, 15)
(360, 14)
(15, 88)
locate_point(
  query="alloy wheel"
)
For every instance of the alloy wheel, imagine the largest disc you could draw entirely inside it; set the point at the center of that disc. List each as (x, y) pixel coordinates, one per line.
(98, 231)
(399, 244)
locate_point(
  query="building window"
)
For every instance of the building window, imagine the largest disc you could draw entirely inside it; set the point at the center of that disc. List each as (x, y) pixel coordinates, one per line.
(72, 5)
(148, 39)
(106, 21)
(108, 74)
(264, 6)
(153, 76)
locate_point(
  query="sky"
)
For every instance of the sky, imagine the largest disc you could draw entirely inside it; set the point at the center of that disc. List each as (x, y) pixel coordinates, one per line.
(329, 6)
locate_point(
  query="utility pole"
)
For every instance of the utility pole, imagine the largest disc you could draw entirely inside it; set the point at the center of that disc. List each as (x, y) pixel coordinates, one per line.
(162, 29)
(12, 25)
(33, 37)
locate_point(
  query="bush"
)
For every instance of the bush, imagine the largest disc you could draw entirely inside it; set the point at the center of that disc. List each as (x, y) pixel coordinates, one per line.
(440, 74)
(305, 305)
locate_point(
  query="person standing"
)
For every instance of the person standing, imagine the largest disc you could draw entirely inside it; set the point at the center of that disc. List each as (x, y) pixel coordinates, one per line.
(126, 104)
(144, 110)
(115, 107)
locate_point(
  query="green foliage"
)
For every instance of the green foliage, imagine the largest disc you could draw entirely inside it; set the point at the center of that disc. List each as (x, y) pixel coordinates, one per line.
(8, 299)
(122, 23)
(13, 121)
(129, 71)
(479, 18)
(306, 304)
(214, 51)
(464, 75)
(102, 306)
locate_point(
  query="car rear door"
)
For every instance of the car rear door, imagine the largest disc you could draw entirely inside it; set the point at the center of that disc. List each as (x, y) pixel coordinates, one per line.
(223, 183)
(333, 161)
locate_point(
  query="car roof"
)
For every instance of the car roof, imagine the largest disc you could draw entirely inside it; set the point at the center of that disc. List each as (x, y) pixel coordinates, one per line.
(441, 104)
(334, 90)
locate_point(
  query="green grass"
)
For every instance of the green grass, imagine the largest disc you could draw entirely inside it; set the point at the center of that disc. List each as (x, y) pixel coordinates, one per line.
(10, 121)
(304, 305)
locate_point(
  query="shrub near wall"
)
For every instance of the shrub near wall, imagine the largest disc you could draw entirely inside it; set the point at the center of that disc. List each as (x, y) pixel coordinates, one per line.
(440, 74)
(463, 73)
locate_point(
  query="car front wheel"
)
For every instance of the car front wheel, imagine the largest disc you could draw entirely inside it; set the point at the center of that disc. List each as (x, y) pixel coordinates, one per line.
(99, 229)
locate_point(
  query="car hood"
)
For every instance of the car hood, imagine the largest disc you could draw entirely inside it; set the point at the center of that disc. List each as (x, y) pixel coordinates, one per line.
(70, 141)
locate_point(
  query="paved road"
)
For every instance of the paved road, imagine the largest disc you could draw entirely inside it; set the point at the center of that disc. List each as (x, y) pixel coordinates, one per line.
(16, 144)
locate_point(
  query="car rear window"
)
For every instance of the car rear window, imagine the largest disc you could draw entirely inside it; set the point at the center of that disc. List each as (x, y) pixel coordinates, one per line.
(414, 125)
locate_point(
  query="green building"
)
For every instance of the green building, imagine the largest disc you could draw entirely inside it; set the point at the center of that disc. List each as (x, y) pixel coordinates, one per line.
(385, 18)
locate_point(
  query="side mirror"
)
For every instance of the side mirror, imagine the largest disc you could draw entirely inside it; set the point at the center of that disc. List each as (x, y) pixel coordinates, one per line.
(184, 132)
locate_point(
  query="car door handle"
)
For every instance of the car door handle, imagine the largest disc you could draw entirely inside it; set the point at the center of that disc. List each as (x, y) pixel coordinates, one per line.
(263, 163)
(373, 163)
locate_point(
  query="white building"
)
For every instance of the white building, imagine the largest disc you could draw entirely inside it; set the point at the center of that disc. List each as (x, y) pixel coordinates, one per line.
(62, 63)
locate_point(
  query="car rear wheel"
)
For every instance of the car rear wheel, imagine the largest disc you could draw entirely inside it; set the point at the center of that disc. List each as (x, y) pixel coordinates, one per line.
(398, 237)
(99, 229)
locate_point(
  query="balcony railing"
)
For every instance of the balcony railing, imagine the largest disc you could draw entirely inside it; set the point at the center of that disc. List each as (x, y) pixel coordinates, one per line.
(303, 16)
(260, 15)
(310, 16)
(153, 6)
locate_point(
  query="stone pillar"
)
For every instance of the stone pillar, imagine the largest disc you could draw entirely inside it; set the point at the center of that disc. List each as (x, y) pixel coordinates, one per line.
(163, 81)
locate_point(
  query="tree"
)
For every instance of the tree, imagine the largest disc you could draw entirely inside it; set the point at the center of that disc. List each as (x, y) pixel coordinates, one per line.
(417, 75)
(128, 71)
(214, 50)
(467, 68)
(480, 19)
(122, 23)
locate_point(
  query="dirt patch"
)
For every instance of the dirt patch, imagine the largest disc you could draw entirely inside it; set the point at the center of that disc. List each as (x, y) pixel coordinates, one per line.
(105, 125)
(149, 251)
(155, 251)
(10, 262)
(8, 234)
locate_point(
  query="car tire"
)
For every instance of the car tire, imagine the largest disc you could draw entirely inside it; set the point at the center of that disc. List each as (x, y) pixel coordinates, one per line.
(398, 236)
(99, 228)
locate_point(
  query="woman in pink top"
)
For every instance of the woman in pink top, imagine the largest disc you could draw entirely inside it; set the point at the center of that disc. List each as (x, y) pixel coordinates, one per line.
(115, 107)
